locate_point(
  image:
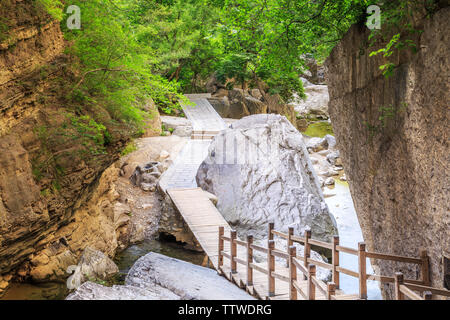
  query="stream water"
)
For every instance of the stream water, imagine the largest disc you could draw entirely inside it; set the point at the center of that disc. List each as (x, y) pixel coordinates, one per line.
(340, 203)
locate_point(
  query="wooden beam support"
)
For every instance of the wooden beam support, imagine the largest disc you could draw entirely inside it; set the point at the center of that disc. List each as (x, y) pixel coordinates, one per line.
(398, 282)
(289, 243)
(311, 287)
(220, 256)
(331, 290)
(249, 260)
(362, 270)
(270, 228)
(270, 268)
(307, 250)
(335, 261)
(292, 273)
(425, 267)
(233, 246)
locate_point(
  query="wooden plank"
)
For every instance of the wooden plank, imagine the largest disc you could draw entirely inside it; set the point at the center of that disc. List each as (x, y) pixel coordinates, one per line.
(375, 255)
(259, 248)
(320, 244)
(422, 288)
(409, 293)
(321, 264)
(347, 250)
(280, 234)
(347, 272)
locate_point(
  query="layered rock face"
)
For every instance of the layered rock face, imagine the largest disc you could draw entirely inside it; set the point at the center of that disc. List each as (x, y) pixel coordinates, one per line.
(392, 134)
(53, 200)
(260, 171)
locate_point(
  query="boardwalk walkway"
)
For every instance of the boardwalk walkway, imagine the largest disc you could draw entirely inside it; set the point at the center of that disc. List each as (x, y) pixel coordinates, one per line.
(295, 277)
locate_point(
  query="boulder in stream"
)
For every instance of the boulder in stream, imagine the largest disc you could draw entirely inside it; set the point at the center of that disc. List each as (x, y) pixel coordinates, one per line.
(260, 171)
(158, 277)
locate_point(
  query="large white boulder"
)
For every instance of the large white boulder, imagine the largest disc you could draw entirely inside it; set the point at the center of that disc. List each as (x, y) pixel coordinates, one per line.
(260, 171)
(186, 280)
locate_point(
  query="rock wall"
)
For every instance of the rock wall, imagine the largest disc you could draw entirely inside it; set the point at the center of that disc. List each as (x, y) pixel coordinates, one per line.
(46, 223)
(396, 158)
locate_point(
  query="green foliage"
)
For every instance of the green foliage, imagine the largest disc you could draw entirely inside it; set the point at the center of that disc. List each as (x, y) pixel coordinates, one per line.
(53, 7)
(118, 68)
(131, 147)
(4, 28)
(397, 30)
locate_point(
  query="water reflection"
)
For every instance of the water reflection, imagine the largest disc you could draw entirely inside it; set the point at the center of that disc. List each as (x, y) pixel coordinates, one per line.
(340, 203)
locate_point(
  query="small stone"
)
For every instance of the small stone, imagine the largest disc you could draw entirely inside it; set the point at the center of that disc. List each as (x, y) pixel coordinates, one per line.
(164, 155)
(343, 178)
(329, 182)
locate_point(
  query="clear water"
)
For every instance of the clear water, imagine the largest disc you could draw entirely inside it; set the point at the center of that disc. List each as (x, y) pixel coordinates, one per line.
(340, 203)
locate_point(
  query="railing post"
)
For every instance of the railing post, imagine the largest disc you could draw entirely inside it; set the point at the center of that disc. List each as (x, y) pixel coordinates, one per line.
(311, 286)
(362, 270)
(425, 267)
(292, 273)
(270, 268)
(307, 249)
(398, 282)
(249, 260)
(427, 295)
(270, 229)
(220, 256)
(289, 242)
(335, 262)
(331, 290)
(233, 247)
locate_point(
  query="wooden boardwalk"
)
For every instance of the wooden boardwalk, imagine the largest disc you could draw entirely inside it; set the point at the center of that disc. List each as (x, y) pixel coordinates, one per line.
(202, 217)
(291, 279)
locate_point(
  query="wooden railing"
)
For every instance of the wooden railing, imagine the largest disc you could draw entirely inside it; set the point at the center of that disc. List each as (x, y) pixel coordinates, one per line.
(307, 266)
(408, 290)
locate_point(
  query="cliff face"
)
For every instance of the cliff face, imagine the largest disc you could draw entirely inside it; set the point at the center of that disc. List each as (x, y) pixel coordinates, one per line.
(52, 200)
(393, 137)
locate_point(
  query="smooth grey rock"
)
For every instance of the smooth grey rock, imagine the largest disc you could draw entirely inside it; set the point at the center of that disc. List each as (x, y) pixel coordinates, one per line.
(93, 264)
(174, 122)
(279, 184)
(183, 131)
(316, 101)
(94, 291)
(332, 157)
(186, 280)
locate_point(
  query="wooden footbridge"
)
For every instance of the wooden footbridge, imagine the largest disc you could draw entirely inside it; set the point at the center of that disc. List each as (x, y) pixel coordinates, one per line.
(290, 276)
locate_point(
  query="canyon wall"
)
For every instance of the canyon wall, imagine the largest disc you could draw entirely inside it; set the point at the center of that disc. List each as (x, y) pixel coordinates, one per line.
(393, 137)
(54, 200)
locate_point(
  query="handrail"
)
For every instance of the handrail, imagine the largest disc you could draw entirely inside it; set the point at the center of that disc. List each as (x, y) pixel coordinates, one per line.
(375, 255)
(439, 292)
(240, 242)
(347, 250)
(320, 244)
(321, 264)
(409, 293)
(319, 284)
(307, 266)
(280, 234)
(258, 248)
